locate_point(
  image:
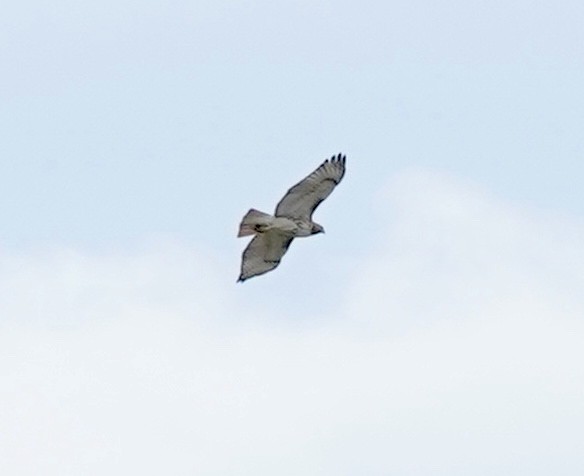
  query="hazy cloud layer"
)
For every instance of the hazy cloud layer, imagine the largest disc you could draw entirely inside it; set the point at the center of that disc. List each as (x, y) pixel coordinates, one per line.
(454, 348)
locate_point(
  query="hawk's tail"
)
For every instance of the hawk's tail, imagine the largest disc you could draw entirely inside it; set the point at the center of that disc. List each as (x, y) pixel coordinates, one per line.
(254, 221)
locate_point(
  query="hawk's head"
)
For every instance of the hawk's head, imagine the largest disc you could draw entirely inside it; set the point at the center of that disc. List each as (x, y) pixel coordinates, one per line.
(316, 228)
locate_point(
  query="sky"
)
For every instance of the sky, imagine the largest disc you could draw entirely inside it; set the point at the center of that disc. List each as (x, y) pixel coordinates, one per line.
(436, 328)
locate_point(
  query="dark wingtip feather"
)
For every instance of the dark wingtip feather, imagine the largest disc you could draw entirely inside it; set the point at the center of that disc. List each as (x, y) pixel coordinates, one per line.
(339, 158)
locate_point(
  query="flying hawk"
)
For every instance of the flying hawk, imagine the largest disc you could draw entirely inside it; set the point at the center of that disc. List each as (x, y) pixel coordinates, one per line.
(292, 219)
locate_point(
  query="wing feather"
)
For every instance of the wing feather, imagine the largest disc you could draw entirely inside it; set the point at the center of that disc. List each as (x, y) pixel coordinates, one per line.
(263, 253)
(303, 198)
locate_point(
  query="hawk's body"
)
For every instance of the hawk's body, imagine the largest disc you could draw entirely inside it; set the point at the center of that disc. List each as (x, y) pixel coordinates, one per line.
(292, 219)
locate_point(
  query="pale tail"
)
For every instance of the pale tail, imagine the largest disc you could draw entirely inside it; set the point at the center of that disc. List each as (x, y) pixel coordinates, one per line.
(252, 221)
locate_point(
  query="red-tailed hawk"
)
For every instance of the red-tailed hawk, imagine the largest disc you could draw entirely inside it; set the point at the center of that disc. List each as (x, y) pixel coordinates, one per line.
(292, 219)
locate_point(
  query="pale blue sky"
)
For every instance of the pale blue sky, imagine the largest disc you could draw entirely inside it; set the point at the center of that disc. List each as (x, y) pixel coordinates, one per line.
(121, 119)
(435, 329)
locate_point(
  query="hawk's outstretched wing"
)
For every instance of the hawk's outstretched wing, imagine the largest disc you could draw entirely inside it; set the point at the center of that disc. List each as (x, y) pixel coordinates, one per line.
(264, 253)
(302, 199)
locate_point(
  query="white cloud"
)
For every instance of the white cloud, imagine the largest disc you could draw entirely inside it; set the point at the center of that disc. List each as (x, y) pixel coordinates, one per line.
(457, 351)
(454, 251)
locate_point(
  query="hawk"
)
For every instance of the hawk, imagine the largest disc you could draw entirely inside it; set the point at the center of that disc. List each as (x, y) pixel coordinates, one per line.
(292, 219)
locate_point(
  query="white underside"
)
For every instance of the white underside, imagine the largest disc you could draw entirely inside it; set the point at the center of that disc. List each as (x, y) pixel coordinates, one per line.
(286, 225)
